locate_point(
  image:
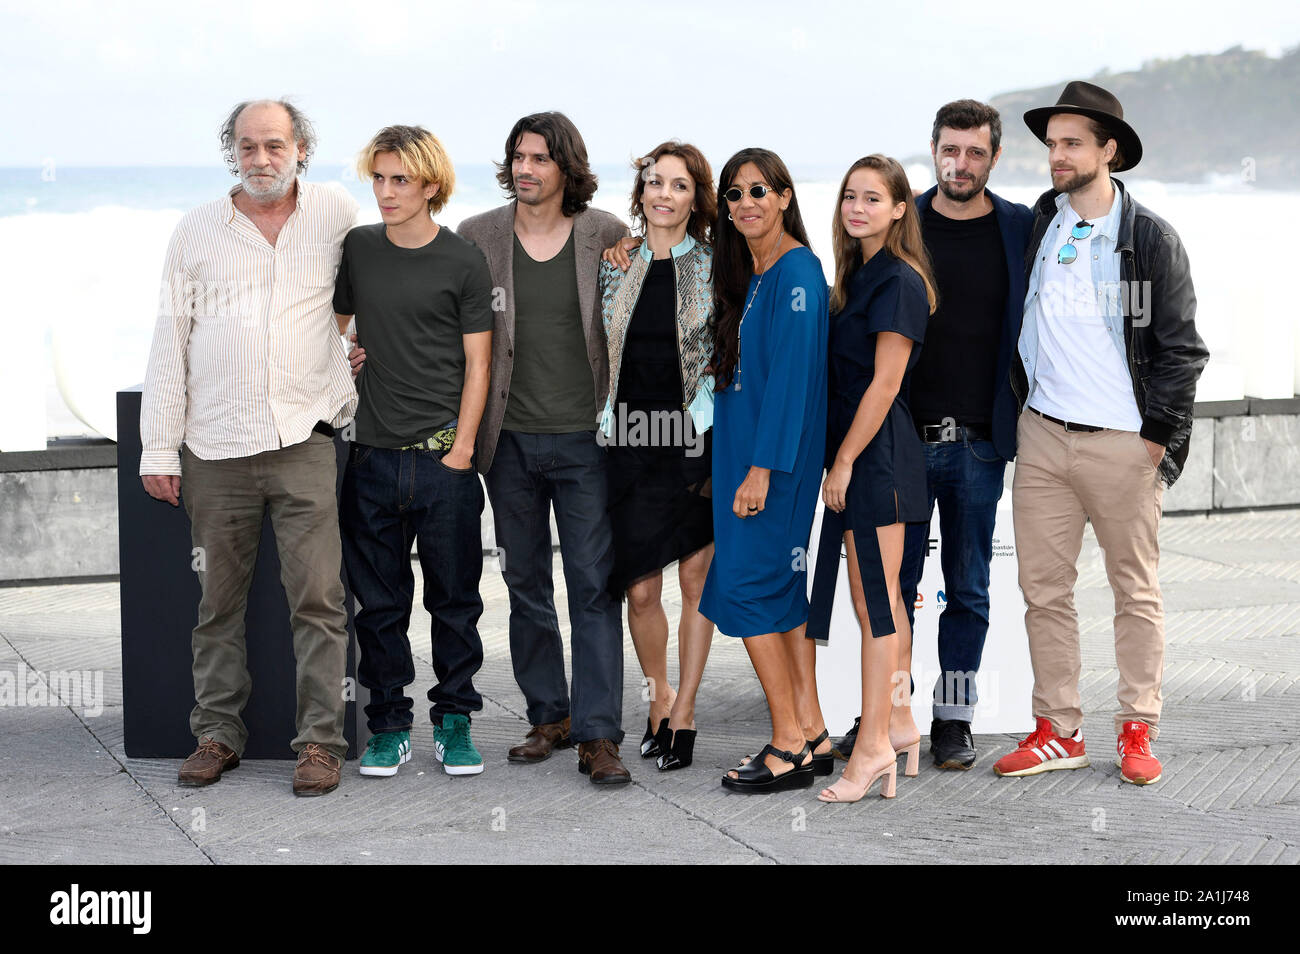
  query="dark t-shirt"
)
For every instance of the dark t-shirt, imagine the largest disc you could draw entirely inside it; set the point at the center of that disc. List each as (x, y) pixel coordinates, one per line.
(551, 390)
(955, 374)
(412, 306)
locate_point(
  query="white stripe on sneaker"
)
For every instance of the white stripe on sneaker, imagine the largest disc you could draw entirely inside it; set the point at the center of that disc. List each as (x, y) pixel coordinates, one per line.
(1060, 749)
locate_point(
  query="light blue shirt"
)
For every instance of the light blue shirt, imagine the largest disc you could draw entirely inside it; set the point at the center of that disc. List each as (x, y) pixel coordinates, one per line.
(681, 248)
(1105, 271)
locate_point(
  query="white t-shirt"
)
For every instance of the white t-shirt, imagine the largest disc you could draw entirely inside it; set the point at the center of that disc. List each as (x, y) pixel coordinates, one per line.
(1079, 376)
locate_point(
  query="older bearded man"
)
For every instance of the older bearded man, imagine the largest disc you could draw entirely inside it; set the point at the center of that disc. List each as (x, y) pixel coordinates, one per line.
(246, 380)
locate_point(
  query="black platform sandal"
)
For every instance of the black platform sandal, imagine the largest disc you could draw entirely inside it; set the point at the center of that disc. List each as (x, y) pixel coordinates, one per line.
(655, 744)
(754, 776)
(822, 764)
(680, 751)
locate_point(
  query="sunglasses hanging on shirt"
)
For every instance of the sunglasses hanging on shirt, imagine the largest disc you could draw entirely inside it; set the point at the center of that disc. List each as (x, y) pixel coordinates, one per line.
(1068, 252)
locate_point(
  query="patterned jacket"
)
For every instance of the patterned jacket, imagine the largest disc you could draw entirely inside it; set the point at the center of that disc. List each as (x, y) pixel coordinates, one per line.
(619, 292)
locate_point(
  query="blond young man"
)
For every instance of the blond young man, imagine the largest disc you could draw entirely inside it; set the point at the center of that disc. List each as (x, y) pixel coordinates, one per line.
(421, 296)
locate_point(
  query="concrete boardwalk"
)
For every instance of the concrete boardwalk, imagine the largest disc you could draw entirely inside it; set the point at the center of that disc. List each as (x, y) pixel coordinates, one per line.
(1230, 792)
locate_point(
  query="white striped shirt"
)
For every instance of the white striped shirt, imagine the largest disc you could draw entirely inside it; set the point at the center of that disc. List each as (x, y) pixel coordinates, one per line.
(246, 354)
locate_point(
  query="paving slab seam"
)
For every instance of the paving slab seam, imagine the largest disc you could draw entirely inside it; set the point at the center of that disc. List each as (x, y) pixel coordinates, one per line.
(720, 829)
(109, 752)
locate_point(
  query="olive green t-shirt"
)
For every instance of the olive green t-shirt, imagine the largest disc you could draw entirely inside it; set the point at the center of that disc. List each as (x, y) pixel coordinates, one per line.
(551, 389)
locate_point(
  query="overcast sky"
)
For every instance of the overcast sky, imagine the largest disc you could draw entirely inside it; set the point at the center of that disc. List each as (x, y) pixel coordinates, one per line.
(147, 83)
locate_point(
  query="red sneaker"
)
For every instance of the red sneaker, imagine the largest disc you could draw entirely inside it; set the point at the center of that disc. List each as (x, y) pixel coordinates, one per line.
(1135, 761)
(1043, 751)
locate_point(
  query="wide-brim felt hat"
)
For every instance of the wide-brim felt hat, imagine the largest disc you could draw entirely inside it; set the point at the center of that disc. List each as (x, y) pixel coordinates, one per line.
(1089, 100)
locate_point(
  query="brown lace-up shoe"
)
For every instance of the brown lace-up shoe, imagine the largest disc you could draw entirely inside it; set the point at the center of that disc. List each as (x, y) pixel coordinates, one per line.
(317, 772)
(600, 760)
(541, 741)
(207, 763)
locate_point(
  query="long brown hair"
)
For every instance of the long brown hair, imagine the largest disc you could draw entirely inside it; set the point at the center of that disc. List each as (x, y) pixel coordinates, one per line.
(567, 150)
(700, 224)
(903, 240)
(733, 265)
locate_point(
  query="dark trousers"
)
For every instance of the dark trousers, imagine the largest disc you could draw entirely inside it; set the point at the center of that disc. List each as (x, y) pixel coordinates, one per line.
(391, 498)
(965, 480)
(529, 474)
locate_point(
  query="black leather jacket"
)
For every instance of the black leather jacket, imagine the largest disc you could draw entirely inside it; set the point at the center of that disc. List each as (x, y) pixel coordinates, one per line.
(1165, 354)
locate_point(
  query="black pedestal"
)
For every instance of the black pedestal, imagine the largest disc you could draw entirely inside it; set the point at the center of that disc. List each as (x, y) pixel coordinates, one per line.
(160, 601)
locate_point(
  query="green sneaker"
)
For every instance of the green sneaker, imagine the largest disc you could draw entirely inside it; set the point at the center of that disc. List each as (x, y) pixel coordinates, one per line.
(385, 752)
(453, 747)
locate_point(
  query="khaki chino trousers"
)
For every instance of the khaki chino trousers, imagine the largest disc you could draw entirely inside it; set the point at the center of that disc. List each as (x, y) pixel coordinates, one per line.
(1063, 479)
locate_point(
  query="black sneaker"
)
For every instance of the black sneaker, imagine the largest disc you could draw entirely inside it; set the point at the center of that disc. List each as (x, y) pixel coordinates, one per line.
(951, 744)
(843, 746)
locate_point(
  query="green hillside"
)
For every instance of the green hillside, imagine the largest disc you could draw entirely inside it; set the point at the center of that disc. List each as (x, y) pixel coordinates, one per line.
(1197, 116)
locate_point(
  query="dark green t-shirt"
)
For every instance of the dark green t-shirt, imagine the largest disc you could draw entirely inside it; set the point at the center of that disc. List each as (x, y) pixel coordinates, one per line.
(412, 306)
(551, 390)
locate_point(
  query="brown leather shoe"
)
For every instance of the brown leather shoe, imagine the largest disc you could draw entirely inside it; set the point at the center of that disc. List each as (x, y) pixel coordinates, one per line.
(600, 760)
(207, 763)
(541, 741)
(317, 772)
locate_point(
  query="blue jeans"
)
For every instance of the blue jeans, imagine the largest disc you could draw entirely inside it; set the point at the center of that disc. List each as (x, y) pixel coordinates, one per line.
(529, 474)
(390, 499)
(965, 479)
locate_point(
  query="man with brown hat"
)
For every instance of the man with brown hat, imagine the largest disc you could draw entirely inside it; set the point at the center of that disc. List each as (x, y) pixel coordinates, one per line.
(1107, 367)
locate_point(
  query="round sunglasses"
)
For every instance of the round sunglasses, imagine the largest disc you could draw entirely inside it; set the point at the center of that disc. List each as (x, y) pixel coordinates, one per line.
(1068, 253)
(758, 191)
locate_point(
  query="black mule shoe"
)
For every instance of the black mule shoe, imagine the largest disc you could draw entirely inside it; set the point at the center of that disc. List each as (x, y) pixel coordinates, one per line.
(754, 776)
(680, 751)
(822, 764)
(655, 744)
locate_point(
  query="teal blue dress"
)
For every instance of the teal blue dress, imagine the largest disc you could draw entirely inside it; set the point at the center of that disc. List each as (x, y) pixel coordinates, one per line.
(773, 414)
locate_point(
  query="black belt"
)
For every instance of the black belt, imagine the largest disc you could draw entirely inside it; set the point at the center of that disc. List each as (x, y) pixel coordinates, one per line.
(1068, 425)
(947, 433)
(322, 428)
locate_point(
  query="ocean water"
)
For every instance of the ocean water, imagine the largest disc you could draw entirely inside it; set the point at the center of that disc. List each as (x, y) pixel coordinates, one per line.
(82, 248)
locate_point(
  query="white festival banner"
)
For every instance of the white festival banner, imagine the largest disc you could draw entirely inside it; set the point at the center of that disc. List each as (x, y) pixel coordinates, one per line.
(1005, 681)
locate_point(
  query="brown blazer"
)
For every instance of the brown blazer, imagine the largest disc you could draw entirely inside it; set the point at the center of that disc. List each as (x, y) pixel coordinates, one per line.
(493, 232)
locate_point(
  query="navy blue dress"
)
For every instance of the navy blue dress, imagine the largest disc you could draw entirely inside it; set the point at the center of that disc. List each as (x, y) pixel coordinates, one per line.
(773, 415)
(888, 485)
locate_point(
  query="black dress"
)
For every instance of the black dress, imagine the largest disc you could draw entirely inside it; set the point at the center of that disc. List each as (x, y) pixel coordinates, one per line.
(888, 485)
(659, 496)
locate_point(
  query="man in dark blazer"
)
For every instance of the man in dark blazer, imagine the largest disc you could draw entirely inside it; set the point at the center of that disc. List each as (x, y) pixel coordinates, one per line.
(962, 403)
(537, 442)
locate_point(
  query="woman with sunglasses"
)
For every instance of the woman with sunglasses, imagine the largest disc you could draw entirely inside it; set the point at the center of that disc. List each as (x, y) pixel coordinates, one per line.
(883, 296)
(658, 317)
(769, 437)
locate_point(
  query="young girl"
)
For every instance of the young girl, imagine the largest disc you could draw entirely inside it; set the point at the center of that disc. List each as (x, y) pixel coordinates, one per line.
(875, 483)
